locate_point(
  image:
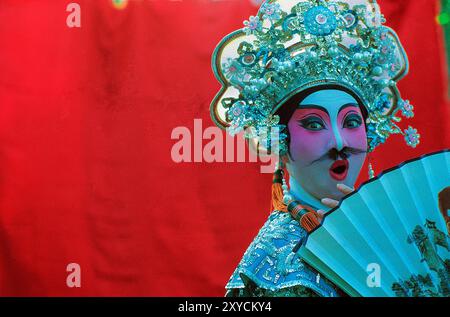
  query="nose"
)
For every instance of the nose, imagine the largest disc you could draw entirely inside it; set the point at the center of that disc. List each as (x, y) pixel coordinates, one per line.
(338, 141)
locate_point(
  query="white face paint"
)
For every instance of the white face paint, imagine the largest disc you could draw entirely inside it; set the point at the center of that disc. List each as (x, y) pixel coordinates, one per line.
(328, 143)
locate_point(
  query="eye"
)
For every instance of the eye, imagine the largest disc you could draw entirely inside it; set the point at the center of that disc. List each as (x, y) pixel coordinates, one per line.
(312, 124)
(352, 121)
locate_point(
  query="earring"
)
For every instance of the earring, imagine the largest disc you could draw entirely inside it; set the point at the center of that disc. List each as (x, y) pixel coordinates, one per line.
(371, 171)
(278, 188)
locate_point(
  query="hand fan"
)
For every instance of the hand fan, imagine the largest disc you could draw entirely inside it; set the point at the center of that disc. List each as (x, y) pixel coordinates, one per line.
(390, 237)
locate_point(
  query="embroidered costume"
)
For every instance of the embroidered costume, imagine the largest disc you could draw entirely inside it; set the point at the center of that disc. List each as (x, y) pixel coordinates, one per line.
(270, 267)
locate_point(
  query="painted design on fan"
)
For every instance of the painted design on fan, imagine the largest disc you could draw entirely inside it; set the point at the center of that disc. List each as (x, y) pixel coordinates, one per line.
(428, 239)
(416, 286)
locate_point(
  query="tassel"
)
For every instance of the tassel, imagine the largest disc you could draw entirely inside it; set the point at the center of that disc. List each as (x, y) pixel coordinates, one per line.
(309, 221)
(306, 216)
(277, 191)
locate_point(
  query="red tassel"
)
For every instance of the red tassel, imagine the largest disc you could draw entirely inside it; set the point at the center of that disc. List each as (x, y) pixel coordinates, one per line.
(309, 221)
(277, 191)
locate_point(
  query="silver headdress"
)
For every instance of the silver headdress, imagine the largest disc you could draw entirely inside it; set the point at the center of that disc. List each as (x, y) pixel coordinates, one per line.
(293, 45)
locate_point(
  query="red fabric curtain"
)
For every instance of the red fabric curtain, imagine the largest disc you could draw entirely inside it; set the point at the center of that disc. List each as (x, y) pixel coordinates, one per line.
(86, 116)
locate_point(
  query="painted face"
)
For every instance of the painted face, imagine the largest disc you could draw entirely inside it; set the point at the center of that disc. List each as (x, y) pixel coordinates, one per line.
(328, 143)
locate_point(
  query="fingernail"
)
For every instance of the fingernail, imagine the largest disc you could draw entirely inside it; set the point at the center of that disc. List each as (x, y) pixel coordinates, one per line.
(343, 186)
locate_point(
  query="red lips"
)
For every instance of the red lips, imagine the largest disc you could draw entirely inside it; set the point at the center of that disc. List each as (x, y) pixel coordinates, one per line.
(339, 170)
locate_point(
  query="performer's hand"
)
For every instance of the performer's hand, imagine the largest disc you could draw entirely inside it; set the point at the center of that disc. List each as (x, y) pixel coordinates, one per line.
(332, 203)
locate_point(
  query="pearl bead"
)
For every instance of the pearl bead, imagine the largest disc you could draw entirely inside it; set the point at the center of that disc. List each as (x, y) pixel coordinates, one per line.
(333, 51)
(367, 56)
(287, 199)
(377, 71)
(357, 57)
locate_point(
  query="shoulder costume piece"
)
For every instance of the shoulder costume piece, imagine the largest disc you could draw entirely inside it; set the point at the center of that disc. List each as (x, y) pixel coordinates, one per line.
(270, 266)
(291, 46)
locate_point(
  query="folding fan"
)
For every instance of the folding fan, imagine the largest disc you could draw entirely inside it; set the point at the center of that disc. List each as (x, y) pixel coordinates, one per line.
(390, 237)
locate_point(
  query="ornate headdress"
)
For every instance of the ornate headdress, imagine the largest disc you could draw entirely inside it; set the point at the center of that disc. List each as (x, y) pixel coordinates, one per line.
(294, 45)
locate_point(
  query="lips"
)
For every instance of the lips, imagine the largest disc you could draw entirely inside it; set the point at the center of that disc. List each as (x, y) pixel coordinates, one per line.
(339, 170)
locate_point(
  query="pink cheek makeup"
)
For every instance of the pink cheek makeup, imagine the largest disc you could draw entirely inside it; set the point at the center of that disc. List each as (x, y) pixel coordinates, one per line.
(355, 138)
(307, 145)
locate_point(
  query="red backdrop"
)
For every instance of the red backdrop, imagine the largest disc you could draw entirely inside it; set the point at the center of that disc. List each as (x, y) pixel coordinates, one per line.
(86, 116)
